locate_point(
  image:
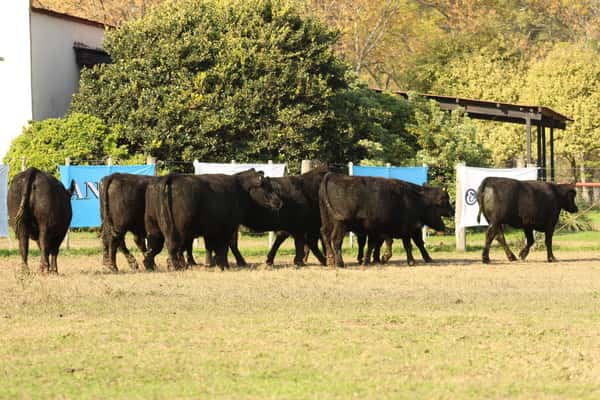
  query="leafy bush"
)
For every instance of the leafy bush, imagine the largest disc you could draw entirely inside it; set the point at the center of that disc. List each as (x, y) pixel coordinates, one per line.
(213, 80)
(46, 144)
(578, 222)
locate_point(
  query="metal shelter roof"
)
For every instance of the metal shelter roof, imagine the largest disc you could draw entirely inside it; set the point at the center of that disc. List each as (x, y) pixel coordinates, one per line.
(542, 117)
(498, 111)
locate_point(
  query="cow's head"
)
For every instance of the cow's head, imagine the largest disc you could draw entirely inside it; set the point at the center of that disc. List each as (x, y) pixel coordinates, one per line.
(437, 205)
(259, 189)
(566, 195)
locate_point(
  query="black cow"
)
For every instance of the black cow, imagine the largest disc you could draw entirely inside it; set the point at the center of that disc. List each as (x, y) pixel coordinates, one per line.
(522, 204)
(122, 204)
(122, 208)
(298, 216)
(39, 207)
(379, 207)
(212, 206)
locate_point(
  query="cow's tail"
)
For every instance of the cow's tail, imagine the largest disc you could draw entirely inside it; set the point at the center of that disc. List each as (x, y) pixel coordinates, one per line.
(480, 191)
(326, 197)
(24, 204)
(166, 208)
(106, 226)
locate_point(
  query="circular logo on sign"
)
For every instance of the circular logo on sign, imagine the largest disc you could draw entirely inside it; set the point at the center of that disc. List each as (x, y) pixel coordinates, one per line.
(471, 196)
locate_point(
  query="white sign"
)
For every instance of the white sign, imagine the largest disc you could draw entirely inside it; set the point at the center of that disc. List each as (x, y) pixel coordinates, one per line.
(3, 197)
(470, 179)
(270, 170)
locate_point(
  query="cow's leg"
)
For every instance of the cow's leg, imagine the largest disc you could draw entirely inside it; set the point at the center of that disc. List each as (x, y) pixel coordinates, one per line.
(408, 248)
(530, 240)
(548, 238)
(106, 237)
(299, 250)
(279, 239)
(502, 240)
(24, 248)
(361, 240)
(44, 251)
(489, 237)
(312, 241)
(120, 245)
(53, 263)
(337, 238)
(377, 251)
(373, 241)
(209, 260)
(189, 250)
(326, 232)
(155, 245)
(417, 237)
(221, 247)
(233, 245)
(306, 252)
(388, 250)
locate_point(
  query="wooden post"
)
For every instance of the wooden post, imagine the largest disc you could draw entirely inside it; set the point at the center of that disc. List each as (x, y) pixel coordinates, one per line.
(109, 161)
(151, 161)
(459, 233)
(23, 163)
(305, 166)
(67, 238)
(350, 235)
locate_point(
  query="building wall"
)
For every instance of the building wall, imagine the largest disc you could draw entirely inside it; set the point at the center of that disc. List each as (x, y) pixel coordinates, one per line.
(54, 70)
(15, 71)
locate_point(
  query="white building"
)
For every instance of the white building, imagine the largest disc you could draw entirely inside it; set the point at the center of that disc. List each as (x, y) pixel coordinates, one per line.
(42, 50)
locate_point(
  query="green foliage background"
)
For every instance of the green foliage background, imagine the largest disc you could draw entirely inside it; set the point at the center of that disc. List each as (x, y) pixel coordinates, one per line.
(83, 138)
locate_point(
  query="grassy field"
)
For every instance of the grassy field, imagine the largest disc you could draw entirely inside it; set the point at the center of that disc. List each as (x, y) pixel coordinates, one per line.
(455, 329)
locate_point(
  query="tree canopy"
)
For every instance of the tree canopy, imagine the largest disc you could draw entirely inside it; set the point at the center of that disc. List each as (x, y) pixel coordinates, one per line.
(214, 80)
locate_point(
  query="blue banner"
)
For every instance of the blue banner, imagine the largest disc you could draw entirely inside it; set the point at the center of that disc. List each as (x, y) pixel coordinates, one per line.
(416, 175)
(86, 199)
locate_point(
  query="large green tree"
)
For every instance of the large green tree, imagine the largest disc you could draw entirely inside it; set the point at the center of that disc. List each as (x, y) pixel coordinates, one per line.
(568, 79)
(218, 80)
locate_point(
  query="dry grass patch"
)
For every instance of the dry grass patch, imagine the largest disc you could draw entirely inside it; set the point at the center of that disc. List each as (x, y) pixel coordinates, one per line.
(457, 329)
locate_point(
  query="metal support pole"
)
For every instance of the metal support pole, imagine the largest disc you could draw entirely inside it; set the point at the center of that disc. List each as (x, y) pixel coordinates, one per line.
(539, 161)
(552, 173)
(544, 163)
(528, 122)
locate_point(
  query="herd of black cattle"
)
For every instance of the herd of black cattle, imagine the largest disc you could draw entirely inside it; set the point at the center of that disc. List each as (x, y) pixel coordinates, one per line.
(323, 204)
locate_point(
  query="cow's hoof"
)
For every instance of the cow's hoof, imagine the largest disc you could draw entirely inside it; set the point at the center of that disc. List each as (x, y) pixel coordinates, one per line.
(149, 265)
(243, 264)
(299, 263)
(512, 257)
(428, 259)
(485, 260)
(552, 259)
(411, 263)
(386, 258)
